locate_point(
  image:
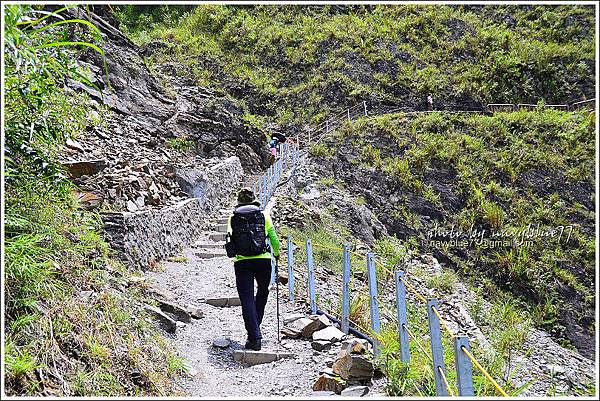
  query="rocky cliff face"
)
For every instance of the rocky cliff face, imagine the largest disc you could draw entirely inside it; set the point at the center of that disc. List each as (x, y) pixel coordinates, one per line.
(150, 135)
(167, 154)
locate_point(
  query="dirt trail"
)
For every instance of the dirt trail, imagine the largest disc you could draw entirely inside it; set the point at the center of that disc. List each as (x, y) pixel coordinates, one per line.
(218, 375)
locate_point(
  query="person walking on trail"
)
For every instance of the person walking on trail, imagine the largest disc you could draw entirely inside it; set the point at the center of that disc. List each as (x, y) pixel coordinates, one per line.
(429, 102)
(273, 145)
(247, 232)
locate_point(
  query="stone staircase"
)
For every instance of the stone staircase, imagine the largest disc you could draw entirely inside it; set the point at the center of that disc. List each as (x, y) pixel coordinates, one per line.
(215, 247)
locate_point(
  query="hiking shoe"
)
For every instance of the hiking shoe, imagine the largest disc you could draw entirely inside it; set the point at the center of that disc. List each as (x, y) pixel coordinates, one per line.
(253, 344)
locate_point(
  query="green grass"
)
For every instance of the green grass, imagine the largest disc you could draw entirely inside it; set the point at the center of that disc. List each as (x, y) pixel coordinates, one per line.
(57, 342)
(303, 63)
(496, 195)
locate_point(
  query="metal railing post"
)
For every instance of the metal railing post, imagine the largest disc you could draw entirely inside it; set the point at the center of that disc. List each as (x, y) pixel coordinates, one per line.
(346, 290)
(311, 277)
(290, 262)
(402, 318)
(464, 367)
(348, 114)
(435, 335)
(375, 320)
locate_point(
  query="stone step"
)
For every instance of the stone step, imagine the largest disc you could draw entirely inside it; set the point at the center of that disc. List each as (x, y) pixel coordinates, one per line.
(259, 357)
(223, 302)
(222, 228)
(209, 254)
(209, 245)
(223, 220)
(217, 237)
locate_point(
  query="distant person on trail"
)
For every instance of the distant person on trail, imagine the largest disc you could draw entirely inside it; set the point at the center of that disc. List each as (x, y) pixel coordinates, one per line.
(429, 102)
(276, 139)
(247, 232)
(273, 145)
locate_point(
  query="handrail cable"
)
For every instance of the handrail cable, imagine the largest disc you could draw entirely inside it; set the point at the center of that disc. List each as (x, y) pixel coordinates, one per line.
(442, 321)
(445, 380)
(482, 369)
(411, 335)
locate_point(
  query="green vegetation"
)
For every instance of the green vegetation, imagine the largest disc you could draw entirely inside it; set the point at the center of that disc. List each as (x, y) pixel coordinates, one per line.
(59, 341)
(508, 172)
(297, 63)
(181, 144)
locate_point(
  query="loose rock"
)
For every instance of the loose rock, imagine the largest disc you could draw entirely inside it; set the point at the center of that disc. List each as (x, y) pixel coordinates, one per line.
(326, 382)
(330, 334)
(321, 345)
(221, 343)
(355, 391)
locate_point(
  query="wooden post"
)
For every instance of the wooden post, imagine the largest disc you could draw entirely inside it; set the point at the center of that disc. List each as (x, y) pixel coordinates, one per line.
(290, 262)
(346, 290)
(464, 367)
(311, 277)
(435, 335)
(402, 317)
(365, 106)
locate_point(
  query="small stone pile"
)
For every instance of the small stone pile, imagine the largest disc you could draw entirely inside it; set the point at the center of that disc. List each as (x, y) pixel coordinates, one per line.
(128, 173)
(351, 371)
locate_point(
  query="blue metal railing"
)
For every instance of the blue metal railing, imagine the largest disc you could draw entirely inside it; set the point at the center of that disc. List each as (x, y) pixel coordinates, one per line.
(265, 185)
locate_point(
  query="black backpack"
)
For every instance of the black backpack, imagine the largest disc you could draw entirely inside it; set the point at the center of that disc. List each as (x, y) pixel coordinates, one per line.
(248, 236)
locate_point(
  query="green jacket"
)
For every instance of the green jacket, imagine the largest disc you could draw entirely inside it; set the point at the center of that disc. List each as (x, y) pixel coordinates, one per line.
(271, 234)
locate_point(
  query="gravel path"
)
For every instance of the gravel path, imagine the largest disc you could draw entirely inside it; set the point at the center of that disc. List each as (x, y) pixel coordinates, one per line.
(218, 375)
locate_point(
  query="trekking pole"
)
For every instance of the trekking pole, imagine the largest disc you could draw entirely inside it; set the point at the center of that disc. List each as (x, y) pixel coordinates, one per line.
(277, 295)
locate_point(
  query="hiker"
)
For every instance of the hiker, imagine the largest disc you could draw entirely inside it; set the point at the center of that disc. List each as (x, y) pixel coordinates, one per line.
(429, 102)
(273, 145)
(247, 232)
(279, 136)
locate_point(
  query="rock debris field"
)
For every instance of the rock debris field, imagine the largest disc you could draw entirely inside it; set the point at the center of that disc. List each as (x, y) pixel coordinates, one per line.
(212, 370)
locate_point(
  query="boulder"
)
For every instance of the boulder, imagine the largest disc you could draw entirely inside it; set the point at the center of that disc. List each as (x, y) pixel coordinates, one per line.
(77, 169)
(177, 311)
(316, 324)
(327, 382)
(290, 318)
(321, 345)
(74, 145)
(162, 293)
(221, 343)
(165, 322)
(322, 394)
(330, 333)
(290, 332)
(301, 323)
(351, 366)
(355, 391)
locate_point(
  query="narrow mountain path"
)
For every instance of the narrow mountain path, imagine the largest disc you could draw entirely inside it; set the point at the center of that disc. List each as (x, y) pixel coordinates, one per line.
(213, 371)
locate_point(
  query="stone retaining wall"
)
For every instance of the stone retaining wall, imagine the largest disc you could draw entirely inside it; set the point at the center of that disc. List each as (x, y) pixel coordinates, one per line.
(143, 238)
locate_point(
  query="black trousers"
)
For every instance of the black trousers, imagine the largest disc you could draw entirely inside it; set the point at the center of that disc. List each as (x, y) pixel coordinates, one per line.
(253, 307)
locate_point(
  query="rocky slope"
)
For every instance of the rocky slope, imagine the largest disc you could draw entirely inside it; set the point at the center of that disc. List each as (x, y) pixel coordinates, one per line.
(152, 139)
(296, 64)
(537, 363)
